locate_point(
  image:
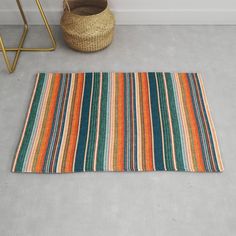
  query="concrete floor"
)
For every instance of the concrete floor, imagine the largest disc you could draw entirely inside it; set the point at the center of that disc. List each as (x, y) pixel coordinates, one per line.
(131, 203)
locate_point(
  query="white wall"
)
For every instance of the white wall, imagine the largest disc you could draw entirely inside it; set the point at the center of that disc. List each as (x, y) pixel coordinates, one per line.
(137, 11)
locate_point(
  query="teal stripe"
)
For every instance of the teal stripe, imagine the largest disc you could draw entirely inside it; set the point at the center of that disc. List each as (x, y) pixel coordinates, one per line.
(30, 125)
(156, 124)
(108, 125)
(165, 123)
(127, 134)
(93, 123)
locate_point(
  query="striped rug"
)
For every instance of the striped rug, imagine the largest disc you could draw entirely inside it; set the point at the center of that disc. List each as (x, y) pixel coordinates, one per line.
(118, 122)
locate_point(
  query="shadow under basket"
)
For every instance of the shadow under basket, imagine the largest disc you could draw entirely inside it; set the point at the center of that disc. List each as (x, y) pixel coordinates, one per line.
(87, 26)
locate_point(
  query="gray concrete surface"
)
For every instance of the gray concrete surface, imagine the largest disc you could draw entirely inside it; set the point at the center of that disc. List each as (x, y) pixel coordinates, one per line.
(129, 204)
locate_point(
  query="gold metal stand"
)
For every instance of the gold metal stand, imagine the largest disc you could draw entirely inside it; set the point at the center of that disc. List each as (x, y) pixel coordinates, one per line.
(20, 48)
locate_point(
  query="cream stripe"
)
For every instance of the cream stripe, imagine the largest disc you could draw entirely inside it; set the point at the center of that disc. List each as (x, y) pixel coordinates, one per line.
(111, 123)
(160, 116)
(139, 131)
(107, 136)
(111, 146)
(133, 118)
(98, 123)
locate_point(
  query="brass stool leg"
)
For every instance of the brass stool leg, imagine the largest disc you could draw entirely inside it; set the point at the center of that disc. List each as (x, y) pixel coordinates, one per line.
(11, 68)
(47, 27)
(20, 48)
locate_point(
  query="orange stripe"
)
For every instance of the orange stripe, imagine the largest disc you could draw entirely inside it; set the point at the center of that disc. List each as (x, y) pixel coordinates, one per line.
(75, 124)
(121, 127)
(48, 125)
(147, 124)
(193, 123)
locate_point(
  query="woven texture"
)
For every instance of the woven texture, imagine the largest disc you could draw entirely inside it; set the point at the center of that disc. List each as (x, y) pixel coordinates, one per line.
(118, 122)
(87, 28)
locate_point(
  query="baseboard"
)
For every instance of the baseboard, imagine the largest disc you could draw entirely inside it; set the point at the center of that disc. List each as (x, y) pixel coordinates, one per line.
(136, 17)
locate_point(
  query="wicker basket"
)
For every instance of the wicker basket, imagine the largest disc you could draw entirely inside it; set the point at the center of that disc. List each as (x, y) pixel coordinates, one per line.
(87, 25)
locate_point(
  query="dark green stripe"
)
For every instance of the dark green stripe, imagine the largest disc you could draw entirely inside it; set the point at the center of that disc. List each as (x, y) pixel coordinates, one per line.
(175, 123)
(93, 123)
